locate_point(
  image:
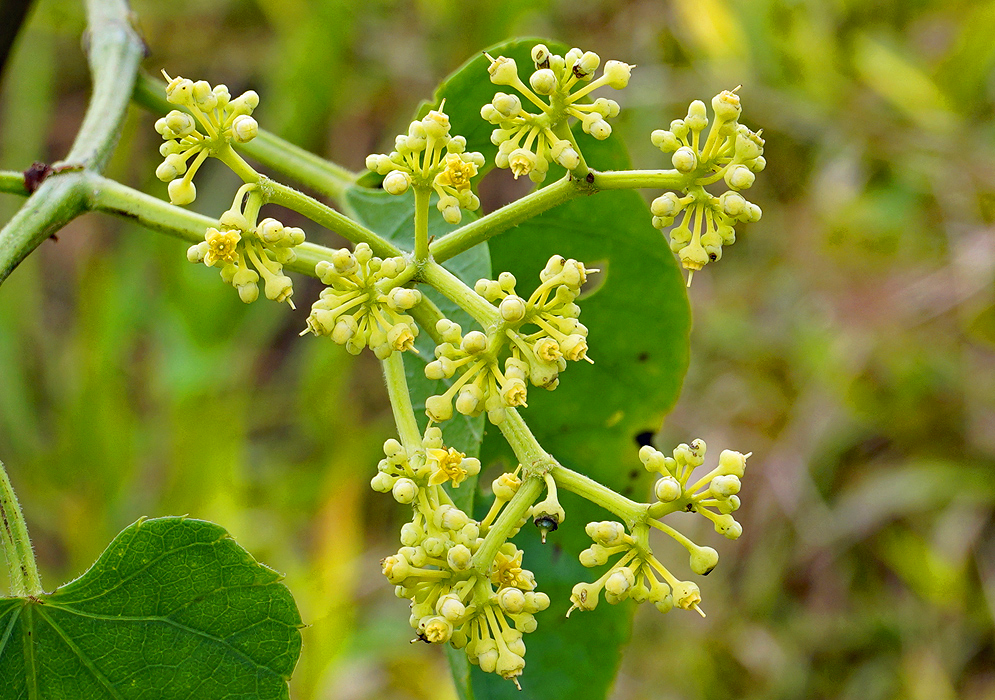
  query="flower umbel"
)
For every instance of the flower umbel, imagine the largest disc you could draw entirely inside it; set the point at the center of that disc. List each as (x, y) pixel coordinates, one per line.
(365, 302)
(729, 152)
(430, 158)
(637, 573)
(528, 142)
(223, 119)
(245, 251)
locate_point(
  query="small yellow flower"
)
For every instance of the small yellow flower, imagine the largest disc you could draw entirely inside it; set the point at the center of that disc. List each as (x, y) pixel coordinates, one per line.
(508, 571)
(221, 246)
(457, 173)
(446, 465)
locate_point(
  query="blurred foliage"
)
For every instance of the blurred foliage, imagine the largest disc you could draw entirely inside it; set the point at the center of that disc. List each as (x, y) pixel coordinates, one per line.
(847, 339)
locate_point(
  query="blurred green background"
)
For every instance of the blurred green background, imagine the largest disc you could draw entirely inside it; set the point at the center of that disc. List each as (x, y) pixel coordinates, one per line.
(847, 339)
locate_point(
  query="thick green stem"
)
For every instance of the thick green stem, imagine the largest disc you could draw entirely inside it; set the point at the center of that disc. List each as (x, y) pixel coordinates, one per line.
(506, 217)
(422, 196)
(534, 459)
(512, 514)
(114, 50)
(599, 494)
(24, 579)
(158, 215)
(537, 462)
(275, 153)
(400, 401)
(632, 179)
(454, 288)
(324, 215)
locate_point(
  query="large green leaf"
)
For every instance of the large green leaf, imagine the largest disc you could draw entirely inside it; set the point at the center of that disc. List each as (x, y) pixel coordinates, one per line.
(639, 323)
(172, 609)
(393, 218)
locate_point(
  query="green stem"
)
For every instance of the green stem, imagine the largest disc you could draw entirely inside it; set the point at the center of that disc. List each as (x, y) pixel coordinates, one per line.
(24, 579)
(632, 179)
(535, 461)
(234, 161)
(400, 401)
(158, 215)
(599, 494)
(454, 289)
(422, 196)
(324, 215)
(114, 50)
(280, 156)
(507, 217)
(512, 514)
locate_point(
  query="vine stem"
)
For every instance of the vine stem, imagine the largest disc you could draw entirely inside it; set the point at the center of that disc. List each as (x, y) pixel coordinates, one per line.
(24, 579)
(114, 51)
(400, 401)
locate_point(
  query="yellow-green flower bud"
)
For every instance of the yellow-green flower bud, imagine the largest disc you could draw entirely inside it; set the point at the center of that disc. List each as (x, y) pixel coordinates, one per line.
(397, 182)
(396, 569)
(182, 192)
(703, 560)
(619, 583)
(685, 160)
(244, 128)
(474, 343)
(405, 490)
(617, 74)
(543, 81)
(725, 485)
(732, 462)
(668, 489)
(459, 557)
(503, 71)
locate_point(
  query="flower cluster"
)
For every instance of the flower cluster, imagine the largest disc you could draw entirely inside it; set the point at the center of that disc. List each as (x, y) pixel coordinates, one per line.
(223, 119)
(637, 573)
(483, 612)
(365, 302)
(713, 495)
(729, 152)
(540, 333)
(246, 251)
(527, 143)
(429, 157)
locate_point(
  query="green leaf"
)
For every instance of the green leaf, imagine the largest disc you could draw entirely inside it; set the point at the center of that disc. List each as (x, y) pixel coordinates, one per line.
(639, 323)
(393, 218)
(173, 608)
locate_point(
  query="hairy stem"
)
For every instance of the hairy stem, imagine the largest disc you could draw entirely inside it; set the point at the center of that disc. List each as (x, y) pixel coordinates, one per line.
(24, 579)
(599, 494)
(632, 179)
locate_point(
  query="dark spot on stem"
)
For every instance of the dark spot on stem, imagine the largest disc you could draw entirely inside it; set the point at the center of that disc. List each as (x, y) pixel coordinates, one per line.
(35, 175)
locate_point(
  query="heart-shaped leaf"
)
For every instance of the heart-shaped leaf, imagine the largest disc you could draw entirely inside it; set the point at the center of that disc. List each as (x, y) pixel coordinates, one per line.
(172, 609)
